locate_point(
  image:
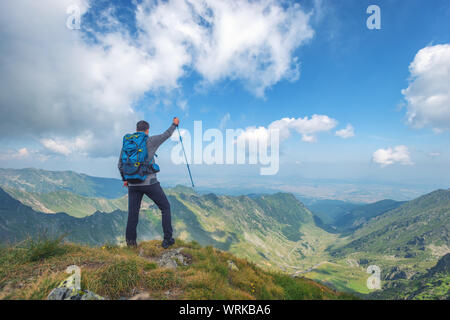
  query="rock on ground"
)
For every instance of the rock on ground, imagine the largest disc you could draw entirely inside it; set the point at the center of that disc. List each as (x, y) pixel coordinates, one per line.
(63, 293)
(173, 258)
(232, 266)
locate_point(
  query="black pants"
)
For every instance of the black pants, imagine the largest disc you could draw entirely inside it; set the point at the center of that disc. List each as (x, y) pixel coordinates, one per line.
(156, 193)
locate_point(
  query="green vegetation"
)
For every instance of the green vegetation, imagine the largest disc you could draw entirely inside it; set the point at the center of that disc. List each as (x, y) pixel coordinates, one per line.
(275, 232)
(329, 210)
(19, 222)
(243, 225)
(115, 272)
(405, 231)
(431, 285)
(341, 276)
(67, 202)
(43, 181)
(357, 217)
(43, 248)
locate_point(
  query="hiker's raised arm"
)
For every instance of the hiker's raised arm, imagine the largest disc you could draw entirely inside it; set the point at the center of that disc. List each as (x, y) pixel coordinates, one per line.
(157, 140)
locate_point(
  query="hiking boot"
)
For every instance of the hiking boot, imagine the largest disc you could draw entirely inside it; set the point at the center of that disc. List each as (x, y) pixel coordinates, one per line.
(131, 244)
(167, 243)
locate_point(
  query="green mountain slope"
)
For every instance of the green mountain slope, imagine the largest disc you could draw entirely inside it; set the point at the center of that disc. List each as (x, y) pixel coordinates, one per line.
(42, 181)
(67, 202)
(17, 222)
(185, 271)
(356, 217)
(407, 230)
(273, 230)
(433, 284)
(403, 242)
(330, 210)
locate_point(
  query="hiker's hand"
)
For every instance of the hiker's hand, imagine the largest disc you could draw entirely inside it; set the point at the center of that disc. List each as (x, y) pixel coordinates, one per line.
(176, 121)
(125, 184)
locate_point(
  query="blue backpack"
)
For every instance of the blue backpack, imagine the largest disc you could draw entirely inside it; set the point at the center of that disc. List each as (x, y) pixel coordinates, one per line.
(135, 164)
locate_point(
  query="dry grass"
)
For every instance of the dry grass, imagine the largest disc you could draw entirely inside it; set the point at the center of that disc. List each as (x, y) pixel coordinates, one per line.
(115, 272)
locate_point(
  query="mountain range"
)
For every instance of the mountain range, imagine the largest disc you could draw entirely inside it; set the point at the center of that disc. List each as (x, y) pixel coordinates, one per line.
(243, 225)
(406, 230)
(334, 242)
(38, 180)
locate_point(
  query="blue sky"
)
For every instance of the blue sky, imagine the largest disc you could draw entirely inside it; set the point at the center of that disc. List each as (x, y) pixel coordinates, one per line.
(346, 72)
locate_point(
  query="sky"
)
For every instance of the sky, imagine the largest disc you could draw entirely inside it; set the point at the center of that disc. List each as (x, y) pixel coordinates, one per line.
(361, 112)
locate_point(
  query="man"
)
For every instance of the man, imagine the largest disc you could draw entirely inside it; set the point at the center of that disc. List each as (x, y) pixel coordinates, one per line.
(150, 187)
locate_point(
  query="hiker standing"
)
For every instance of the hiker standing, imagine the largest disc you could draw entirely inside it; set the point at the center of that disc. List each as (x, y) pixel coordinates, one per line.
(138, 170)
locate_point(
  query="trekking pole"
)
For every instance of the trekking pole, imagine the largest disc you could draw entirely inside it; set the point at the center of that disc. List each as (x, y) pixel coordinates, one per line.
(187, 164)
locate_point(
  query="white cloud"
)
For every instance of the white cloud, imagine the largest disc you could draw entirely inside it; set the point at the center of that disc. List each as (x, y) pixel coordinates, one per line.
(428, 94)
(434, 154)
(22, 154)
(398, 154)
(56, 85)
(307, 127)
(253, 41)
(182, 104)
(317, 123)
(56, 147)
(224, 120)
(347, 132)
(255, 134)
(66, 147)
(309, 138)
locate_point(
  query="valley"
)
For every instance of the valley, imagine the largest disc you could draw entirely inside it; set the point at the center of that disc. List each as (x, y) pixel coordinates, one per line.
(276, 231)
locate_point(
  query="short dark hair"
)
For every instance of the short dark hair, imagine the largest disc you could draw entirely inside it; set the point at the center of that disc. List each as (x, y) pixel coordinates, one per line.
(142, 126)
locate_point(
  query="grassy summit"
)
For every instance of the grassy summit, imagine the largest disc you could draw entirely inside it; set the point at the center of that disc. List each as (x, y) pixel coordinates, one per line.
(32, 269)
